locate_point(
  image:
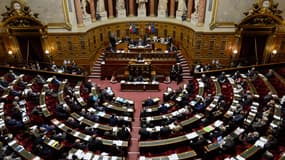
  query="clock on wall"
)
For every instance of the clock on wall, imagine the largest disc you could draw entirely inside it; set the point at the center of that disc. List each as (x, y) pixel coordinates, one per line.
(17, 5)
(266, 4)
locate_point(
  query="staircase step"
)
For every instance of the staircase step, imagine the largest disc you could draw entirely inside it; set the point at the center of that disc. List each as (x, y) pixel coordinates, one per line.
(96, 70)
(185, 73)
(97, 64)
(187, 77)
(183, 62)
(98, 61)
(95, 73)
(96, 67)
(92, 76)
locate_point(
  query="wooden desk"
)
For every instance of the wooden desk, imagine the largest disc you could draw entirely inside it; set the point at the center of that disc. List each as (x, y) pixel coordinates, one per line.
(53, 143)
(22, 151)
(139, 86)
(60, 93)
(91, 123)
(117, 108)
(43, 105)
(2, 119)
(77, 95)
(184, 155)
(123, 101)
(86, 137)
(157, 46)
(178, 139)
(90, 155)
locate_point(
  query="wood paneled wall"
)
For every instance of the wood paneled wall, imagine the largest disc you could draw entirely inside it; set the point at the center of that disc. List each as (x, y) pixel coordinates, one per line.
(196, 46)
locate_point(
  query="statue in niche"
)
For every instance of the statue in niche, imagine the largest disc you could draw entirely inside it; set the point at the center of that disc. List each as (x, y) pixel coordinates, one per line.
(120, 5)
(196, 7)
(100, 6)
(162, 4)
(85, 8)
(181, 6)
(141, 4)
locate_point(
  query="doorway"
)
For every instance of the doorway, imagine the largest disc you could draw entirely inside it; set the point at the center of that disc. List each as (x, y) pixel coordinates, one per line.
(30, 48)
(252, 49)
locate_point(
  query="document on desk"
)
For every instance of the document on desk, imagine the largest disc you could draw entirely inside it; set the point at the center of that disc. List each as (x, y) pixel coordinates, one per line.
(173, 157)
(79, 153)
(87, 156)
(191, 135)
(118, 142)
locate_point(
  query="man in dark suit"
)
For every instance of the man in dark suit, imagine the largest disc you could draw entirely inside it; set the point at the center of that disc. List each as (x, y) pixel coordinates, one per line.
(113, 121)
(95, 143)
(165, 131)
(124, 133)
(144, 133)
(149, 102)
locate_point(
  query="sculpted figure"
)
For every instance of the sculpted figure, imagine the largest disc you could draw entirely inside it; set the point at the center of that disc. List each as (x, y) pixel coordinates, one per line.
(181, 6)
(162, 5)
(120, 5)
(100, 6)
(141, 4)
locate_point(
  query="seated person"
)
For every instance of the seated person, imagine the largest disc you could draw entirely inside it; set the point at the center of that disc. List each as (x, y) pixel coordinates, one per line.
(113, 121)
(95, 143)
(55, 80)
(62, 111)
(139, 78)
(78, 144)
(140, 42)
(149, 102)
(124, 133)
(10, 122)
(3, 82)
(139, 58)
(40, 79)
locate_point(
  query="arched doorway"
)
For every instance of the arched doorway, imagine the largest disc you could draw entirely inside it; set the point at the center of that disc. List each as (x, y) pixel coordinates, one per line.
(26, 34)
(256, 31)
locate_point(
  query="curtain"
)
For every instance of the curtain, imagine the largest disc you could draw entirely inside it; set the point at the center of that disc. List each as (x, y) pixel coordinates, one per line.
(35, 48)
(249, 55)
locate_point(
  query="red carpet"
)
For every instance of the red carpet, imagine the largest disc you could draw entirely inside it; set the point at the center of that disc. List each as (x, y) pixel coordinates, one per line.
(137, 97)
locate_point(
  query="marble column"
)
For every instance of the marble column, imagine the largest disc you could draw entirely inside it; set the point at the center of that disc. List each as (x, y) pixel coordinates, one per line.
(131, 8)
(110, 9)
(79, 15)
(151, 8)
(93, 11)
(190, 9)
(201, 16)
(172, 9)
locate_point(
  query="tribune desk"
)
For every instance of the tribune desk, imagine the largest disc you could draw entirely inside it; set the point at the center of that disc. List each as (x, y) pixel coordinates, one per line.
(139, 86)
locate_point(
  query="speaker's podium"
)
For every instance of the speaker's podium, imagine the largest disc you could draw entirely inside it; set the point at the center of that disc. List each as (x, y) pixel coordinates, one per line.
(140, 68)
(140, 77)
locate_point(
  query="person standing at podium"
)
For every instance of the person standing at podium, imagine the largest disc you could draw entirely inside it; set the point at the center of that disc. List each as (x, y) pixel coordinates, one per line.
(139, 58)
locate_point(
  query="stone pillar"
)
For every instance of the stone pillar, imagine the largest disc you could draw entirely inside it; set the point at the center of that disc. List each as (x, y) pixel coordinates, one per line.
(172, 8)
(131, 8)
(93, 11)
(190, 9)
(201, 16)
(110, 9)
(79, 15)
(151, 8)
